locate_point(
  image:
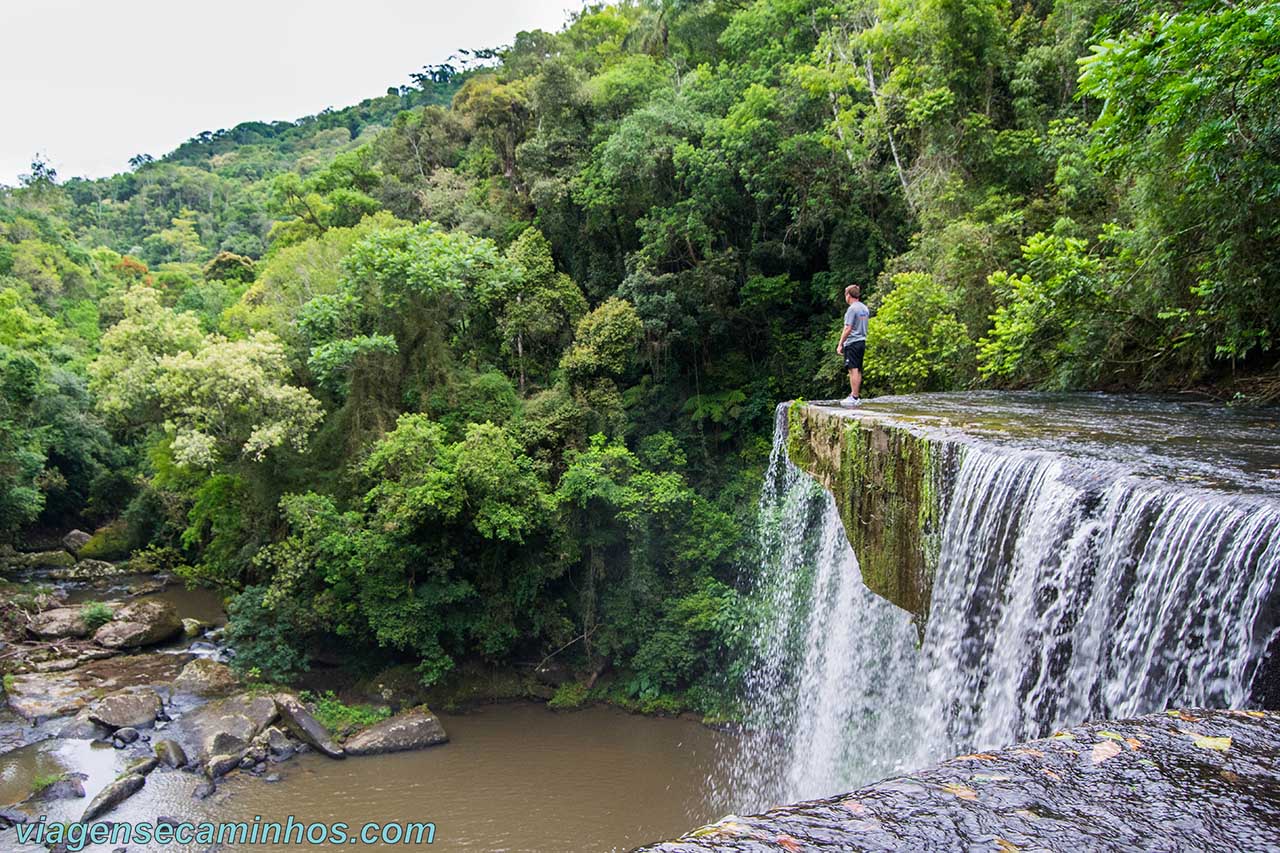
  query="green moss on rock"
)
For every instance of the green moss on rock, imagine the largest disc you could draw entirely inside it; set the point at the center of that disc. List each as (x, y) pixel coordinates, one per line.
(889, 486)
(110, 542)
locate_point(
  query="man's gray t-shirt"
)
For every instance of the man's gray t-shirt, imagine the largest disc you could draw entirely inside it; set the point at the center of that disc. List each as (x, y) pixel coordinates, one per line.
(856, 319)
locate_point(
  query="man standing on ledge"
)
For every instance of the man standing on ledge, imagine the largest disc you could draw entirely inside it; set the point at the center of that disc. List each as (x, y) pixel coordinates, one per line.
(853, 341)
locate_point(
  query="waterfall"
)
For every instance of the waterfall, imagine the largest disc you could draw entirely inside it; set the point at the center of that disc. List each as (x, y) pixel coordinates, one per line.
(1062, 592)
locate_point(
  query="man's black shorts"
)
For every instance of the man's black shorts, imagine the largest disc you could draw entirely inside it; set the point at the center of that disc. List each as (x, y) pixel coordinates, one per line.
(853, 351)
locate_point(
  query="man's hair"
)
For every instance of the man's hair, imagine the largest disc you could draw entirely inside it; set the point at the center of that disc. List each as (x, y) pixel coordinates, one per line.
(853, 290)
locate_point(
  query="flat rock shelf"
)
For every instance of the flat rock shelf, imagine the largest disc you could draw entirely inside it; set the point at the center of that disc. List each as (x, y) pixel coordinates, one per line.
(1178, 780)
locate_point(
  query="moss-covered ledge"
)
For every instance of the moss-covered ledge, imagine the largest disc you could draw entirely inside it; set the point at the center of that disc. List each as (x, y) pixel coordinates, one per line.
(889, 485)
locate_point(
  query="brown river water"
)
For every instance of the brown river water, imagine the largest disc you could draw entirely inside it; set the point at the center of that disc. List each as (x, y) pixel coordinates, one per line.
(514, 777)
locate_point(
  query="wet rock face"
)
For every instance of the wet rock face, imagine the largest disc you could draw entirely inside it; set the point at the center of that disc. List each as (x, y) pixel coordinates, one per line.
(142, 623)
(170, 753)
(416, 728)
(70, 786)
(1198, 780)
(205, 677)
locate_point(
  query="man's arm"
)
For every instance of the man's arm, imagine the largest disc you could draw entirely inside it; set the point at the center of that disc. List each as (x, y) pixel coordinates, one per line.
(843, 335)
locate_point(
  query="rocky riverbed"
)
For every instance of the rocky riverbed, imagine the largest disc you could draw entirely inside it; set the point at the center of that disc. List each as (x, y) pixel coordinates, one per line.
(1180, 780)
(108, 680)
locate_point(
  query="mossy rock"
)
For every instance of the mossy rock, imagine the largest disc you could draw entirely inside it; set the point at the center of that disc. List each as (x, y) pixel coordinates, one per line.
(109, 542)
(889, 486)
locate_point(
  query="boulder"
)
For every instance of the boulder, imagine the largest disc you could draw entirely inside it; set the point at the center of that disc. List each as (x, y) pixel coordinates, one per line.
(170, 753)
(279, 746)
(224, 726)
(143, 766)
(75, 540)
(58, 624)
(70, 786)
(413, 729)
(113, 795)
(305, 727)
(92, 569)
(206, 677)
(141, 623)
(220, 765)
(255, 754)
(134, 707)
(192, 628)
(83, 727)
(109, 542)
(124, 737)
(204, 790)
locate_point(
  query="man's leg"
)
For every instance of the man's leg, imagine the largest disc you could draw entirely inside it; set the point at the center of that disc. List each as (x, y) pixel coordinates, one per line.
(855, 381)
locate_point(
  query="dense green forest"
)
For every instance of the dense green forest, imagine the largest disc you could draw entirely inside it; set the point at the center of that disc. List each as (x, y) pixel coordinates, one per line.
(484, 369)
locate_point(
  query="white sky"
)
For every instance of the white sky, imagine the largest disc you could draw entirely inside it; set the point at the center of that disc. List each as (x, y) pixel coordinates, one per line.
(90, 83)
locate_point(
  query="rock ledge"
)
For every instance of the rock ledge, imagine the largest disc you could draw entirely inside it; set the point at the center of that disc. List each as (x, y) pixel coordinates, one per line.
(1181, 780)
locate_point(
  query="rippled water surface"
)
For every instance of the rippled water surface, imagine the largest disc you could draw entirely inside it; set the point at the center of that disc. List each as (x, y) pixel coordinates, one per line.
(1182, 441)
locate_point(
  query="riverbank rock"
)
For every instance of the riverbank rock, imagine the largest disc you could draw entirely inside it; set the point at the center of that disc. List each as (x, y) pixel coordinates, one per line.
(75, 540)
(90, 570)
(205, 677)
(1180, 780)
(40, 560)
(192, 628)
(170, 753)
(142, 623)
(123, 737)
(134, 707)
(10, 817)
(84, 728)
(280, 747)
(37, 697)
(307, 728)
(416, 728)
(143, 766)
(220, 765)
(69, 786)
(113, 795)
(223, 729)
(60, 623)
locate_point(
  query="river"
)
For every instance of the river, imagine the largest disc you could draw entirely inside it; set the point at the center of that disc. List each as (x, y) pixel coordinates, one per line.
(514, 777)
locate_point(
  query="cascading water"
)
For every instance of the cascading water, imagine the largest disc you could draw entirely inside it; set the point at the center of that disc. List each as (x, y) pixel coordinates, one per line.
(1062, 592)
